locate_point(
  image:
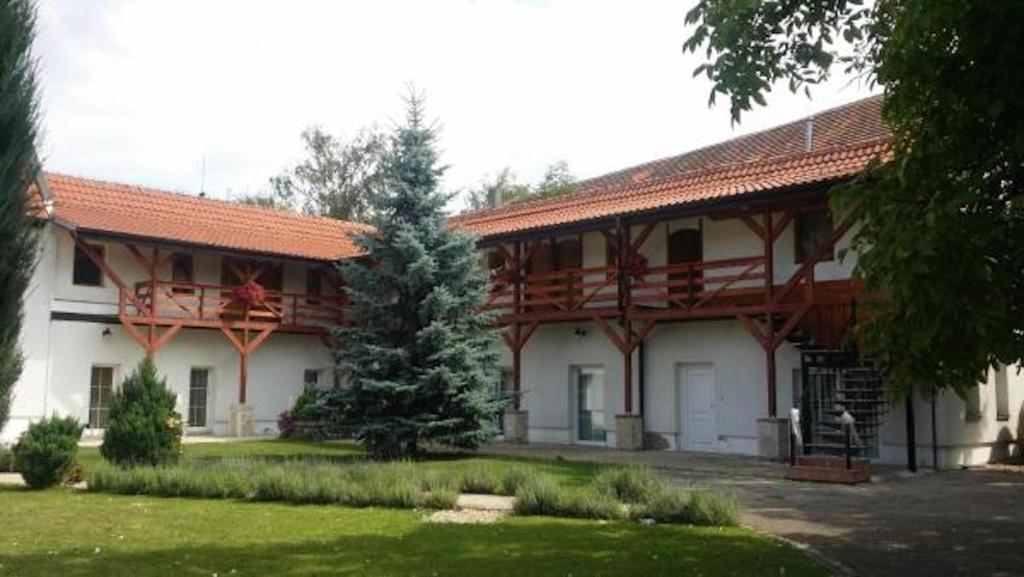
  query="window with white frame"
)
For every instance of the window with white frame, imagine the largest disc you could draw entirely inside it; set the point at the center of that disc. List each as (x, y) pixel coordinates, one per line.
(101, 386)
(311, 378)
(198, 397)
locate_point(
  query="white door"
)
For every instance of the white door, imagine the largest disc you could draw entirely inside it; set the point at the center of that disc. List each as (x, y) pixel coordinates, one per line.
(697, 407)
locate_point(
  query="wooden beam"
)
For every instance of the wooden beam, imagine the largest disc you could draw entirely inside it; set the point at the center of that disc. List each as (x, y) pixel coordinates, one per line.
(645, 232)
(102, 264)
(164, 339)
(753, 224)
(755, 331)
(780, 226)
(233, 339)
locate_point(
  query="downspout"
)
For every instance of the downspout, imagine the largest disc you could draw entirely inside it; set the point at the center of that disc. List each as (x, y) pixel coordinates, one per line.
(911, 433)
(642, 382)
(935, 438)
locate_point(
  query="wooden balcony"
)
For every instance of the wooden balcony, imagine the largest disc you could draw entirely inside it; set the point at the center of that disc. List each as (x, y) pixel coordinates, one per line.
(724, 288)
(199, 305)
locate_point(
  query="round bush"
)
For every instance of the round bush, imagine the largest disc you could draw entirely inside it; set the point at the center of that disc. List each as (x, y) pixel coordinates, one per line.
(46, 451)
(143, 428)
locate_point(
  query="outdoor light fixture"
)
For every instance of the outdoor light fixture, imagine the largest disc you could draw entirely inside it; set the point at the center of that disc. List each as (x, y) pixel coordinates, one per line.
(107, 332)
(579, 332)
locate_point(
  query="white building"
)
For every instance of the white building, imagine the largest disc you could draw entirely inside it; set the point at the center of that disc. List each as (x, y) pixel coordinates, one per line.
(97, 303)
(684, 304)
(726, 307)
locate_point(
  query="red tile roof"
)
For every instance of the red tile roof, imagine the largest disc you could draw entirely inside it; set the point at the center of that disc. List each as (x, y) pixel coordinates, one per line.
(843, 140)
(122, 209)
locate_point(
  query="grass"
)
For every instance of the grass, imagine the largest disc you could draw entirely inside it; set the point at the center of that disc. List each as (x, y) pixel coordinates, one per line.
(315, 478)
(68, 533)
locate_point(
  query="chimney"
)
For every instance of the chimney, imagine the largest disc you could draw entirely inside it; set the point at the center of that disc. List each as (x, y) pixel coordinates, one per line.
(809, 134)
(494, 197)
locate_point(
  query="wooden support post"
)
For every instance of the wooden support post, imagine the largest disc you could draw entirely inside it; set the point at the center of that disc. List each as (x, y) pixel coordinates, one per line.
(243, 368)
(627, 367)
(769, 281)
(517, 297)
(625, 257)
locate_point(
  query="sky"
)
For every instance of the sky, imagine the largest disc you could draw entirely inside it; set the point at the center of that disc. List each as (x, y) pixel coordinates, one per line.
(150, 93)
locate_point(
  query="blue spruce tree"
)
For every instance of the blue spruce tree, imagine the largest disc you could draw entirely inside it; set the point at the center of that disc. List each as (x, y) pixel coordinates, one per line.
(419, 355)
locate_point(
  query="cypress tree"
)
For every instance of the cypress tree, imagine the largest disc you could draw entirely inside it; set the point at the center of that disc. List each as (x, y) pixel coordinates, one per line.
(419, 356)
(18, 168)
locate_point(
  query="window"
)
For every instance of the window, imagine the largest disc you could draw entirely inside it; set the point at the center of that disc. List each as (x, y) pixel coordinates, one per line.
(569, 254)
(685, 246)
(101, 384)
(495, 260)
(198, 397)
(182, 269)
(1002, 395)
(311, 377)
(972, 403)
(314, 285)
(86, 272)
(812, 230)
(591, 420)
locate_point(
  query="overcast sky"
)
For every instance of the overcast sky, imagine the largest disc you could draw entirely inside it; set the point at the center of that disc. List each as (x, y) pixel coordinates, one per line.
(142, 92)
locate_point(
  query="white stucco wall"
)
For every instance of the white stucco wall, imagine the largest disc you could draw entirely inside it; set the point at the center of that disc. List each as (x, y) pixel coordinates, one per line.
(738, 364)
(59, 354)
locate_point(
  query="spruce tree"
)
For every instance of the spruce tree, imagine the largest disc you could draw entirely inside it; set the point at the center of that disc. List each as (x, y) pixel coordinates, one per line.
(18, 168)
(419, 356)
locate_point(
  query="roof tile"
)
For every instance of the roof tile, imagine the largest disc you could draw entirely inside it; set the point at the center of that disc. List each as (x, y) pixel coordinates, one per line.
(112, 208)
(843, 141)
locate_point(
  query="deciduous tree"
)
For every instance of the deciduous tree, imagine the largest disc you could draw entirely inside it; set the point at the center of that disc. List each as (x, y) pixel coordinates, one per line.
(942, 242)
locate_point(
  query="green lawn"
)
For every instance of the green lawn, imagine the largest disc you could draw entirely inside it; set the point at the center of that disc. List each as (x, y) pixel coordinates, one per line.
(68, 533)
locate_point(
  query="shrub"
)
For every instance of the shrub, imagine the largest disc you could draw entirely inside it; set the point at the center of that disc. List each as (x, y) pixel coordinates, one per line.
(143, 428)
(631, 484)
(589, 504)
(480, 479)
(707, 508)
(697, 507)
(46, 451)
(538, 497)
(6, 460)
(285, 424)
(542, 496)
(517, 477)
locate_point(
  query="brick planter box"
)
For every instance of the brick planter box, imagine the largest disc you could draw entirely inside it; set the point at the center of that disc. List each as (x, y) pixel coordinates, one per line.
(830, 470)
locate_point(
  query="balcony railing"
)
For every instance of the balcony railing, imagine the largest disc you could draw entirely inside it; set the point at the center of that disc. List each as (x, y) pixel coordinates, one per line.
(206, 303)
(704, 289)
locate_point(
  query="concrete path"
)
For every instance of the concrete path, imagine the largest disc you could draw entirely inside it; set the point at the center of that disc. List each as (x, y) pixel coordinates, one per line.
(968, 522)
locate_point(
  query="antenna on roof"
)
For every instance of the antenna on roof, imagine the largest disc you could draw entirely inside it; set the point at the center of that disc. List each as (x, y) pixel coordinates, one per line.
(202, 179)
(809, 134)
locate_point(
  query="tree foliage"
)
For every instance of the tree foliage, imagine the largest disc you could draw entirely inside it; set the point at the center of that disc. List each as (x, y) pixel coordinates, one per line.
(338, 179)
(46, 452)
(506, 189)
(144, 428)
(419, 356)
(942, 241)
(263, 200)
(18, 169)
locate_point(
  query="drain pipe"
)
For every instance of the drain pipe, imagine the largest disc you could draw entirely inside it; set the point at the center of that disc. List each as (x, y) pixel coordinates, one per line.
(935, 438)
(642, 383)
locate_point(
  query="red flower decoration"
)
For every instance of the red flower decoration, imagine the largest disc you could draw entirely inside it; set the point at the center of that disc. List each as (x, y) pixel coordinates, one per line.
(250, 292)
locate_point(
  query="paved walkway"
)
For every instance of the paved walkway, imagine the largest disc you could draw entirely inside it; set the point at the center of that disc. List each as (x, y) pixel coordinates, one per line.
(968, 522)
